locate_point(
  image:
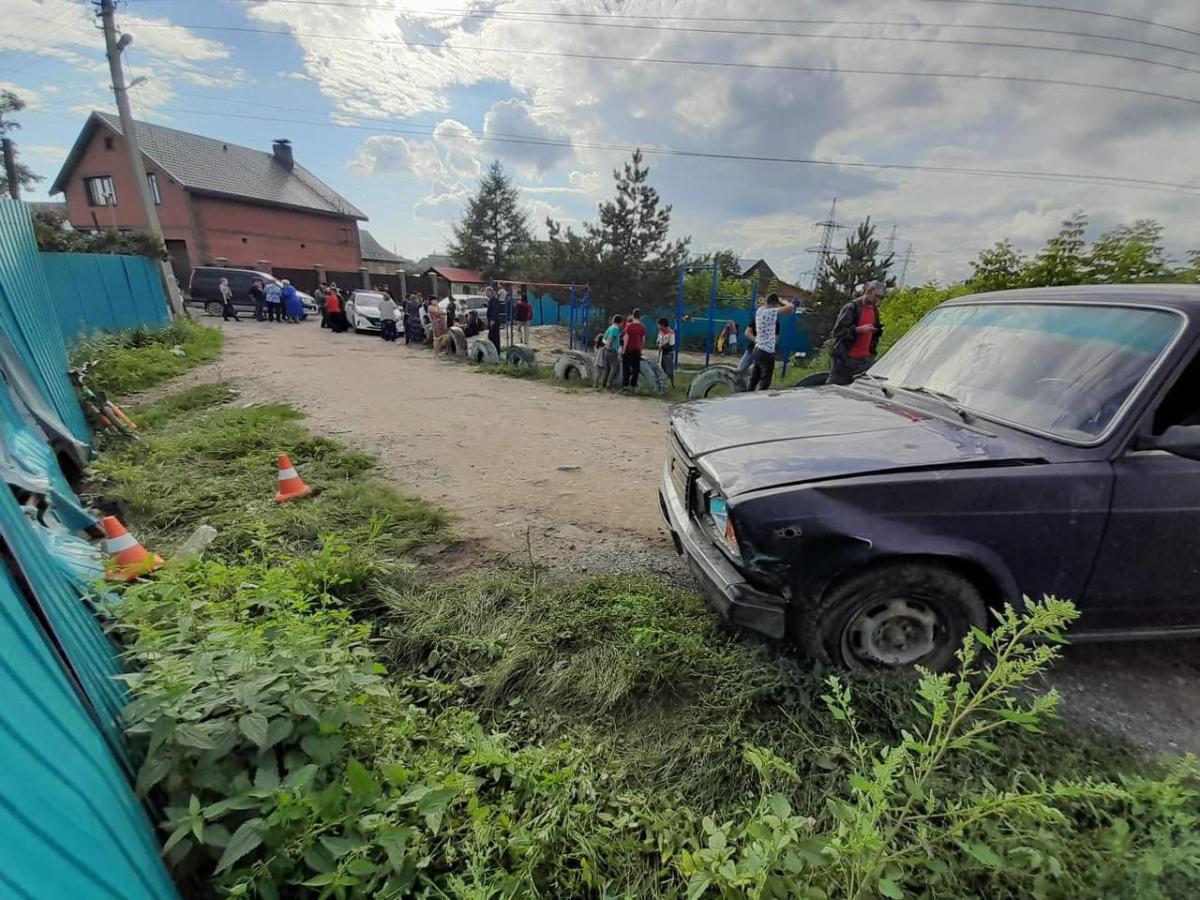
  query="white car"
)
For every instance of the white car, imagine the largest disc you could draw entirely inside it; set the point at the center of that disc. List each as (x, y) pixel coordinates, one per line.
(362, 312)
(465, 303)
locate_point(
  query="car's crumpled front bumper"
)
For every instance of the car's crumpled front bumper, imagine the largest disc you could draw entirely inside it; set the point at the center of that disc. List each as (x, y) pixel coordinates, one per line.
(722, 584)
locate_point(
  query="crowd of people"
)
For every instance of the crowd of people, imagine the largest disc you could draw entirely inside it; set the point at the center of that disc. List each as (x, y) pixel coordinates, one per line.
(272, 302)
(424, 321)
(618, 350)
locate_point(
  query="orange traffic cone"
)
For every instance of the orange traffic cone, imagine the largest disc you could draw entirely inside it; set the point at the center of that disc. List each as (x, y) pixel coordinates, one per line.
(291, 485)
(130, 559)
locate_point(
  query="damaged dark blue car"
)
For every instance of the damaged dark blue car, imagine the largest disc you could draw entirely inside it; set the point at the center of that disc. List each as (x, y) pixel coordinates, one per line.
(1019, 443)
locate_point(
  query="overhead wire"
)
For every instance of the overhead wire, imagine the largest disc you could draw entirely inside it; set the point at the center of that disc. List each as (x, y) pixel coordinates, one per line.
(569, 18)
(509, 138)
(658, 60)
(32, 47)
(1044, 7)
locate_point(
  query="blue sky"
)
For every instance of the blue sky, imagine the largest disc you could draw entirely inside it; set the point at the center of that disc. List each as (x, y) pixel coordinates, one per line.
(397, 128)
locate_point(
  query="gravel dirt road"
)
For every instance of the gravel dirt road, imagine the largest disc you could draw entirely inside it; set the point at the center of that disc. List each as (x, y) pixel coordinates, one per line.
(573, 476)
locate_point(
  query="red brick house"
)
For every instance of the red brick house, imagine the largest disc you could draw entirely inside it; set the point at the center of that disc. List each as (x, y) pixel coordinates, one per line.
(217, 202)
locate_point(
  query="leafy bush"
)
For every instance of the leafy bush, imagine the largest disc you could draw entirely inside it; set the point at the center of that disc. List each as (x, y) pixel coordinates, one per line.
(284, 760)
(910, 824)
(140, 358)
(53, 237)
(904, 308)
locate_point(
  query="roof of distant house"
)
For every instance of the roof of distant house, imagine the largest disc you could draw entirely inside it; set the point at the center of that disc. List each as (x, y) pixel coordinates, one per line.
(462, 276)
(47, 206)
(434, 259)
(209, 166)
(373, 250)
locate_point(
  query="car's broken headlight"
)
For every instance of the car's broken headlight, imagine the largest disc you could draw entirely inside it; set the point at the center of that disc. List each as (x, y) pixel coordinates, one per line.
(718, 511)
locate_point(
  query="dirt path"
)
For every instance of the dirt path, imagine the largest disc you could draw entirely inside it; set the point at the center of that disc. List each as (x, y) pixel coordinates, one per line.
(575, 474)
(522, 464)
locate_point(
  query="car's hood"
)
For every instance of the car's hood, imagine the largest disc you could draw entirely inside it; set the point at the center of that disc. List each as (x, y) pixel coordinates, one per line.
(761, 440)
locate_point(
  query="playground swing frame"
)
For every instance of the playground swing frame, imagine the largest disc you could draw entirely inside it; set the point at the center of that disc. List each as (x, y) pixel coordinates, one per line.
(510, 285)
(714, 269)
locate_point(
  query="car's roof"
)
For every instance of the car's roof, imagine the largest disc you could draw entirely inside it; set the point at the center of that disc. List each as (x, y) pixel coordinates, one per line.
(365, 291)
(1185, 297)
(230, 269)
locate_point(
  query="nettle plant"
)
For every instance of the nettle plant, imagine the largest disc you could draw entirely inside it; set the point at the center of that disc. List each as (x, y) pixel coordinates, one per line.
(905, 827)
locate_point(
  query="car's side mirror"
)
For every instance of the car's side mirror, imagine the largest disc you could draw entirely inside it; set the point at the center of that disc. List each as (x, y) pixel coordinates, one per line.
(1182, 440)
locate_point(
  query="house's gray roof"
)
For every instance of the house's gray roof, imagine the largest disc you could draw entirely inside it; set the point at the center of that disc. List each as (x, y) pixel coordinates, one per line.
(373, 250)
(435, 260)
(209, 166)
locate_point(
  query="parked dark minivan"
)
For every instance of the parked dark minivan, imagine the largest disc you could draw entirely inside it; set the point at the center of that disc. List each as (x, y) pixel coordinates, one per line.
(203, 292)
(1019, 443)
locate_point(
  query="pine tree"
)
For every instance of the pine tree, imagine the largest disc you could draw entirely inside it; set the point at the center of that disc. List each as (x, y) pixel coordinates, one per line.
(493, 226)
(844, 279)
(636, 259)
(26, 177)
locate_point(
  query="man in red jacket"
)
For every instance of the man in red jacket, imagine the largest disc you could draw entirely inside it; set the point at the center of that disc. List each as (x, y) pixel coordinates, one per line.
(524, 316)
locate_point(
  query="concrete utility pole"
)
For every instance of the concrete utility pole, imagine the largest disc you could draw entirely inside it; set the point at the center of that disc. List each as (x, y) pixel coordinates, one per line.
(113, 47)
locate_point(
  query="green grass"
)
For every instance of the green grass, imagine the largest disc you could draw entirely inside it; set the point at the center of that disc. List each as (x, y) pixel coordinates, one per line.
(629, 690)
(623, 663)
(141, 358)
(200, 463)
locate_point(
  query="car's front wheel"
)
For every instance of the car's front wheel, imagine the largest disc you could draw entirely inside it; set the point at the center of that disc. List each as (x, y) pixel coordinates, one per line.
(894, 617)
(214, 308)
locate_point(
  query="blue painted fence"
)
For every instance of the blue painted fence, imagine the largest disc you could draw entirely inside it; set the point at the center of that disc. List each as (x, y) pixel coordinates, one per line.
(102, 292)
(70, 823)
(24, 299)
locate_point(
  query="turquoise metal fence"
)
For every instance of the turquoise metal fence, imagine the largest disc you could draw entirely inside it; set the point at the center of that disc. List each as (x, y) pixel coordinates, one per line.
(102, 292)
(24, 299)
(70, 823)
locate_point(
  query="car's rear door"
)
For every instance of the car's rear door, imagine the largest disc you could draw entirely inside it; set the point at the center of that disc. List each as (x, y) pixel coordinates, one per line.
(240, 283)
(1147, 575)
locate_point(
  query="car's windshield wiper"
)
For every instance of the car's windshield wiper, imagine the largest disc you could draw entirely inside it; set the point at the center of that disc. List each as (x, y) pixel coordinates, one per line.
(877, 381)
(947, 399)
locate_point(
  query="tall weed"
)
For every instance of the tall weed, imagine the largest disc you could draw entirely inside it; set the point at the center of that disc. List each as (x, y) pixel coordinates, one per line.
(140, 358)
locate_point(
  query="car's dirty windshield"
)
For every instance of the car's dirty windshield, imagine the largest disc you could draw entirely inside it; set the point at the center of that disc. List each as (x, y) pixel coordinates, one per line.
(1065, 370)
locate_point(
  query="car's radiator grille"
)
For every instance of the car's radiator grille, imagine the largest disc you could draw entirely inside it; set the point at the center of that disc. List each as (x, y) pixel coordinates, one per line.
(682, 472)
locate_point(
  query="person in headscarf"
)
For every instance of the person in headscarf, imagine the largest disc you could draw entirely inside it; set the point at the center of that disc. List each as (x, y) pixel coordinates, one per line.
(335, 311)
(414, 329)
(293, 308)
(228, 310)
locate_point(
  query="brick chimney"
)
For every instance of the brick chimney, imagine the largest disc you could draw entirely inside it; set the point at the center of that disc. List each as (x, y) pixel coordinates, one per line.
(282, 148)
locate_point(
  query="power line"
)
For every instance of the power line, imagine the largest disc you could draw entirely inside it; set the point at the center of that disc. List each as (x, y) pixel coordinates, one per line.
(520, 16)
(1005, 3)
(1075, 177)
(775, 67)
(32, 48)
(1070, 9)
